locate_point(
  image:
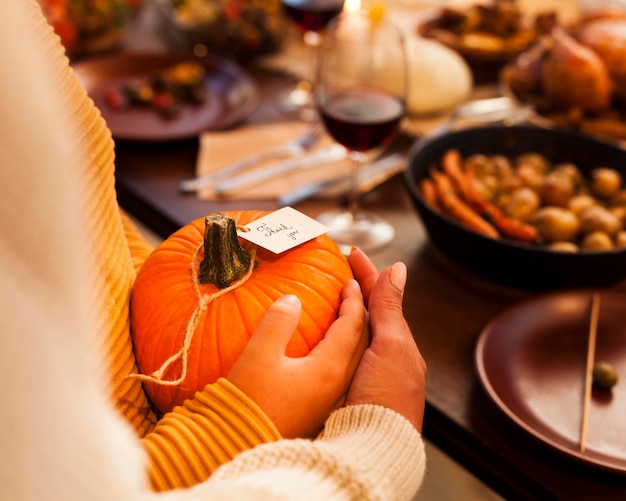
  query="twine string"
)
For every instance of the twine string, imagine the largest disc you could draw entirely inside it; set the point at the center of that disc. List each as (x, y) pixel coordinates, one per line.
(203, 302)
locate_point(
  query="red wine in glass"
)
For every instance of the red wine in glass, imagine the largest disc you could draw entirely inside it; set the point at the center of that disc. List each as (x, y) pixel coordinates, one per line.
(312, 15)
(311, 18)
(360, 97)
(361, 118)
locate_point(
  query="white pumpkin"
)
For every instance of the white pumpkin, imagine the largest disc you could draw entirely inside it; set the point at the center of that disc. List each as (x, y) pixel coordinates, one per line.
(439, 78)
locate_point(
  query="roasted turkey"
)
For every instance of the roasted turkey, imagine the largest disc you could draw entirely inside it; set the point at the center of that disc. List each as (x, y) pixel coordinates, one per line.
(575, 76)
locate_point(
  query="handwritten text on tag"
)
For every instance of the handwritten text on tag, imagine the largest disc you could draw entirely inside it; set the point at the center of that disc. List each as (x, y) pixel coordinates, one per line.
(282, 230)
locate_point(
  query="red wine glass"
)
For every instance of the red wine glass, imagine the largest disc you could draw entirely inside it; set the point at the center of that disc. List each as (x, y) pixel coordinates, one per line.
(360, 94)
(310, 18)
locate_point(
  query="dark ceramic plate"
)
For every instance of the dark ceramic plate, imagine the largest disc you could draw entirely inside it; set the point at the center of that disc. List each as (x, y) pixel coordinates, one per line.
(232, 95)
(531, 361)
(504, 261)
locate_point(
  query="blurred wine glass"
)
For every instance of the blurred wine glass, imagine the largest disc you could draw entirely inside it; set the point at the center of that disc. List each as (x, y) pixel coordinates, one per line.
(360, 94)
(310, 17)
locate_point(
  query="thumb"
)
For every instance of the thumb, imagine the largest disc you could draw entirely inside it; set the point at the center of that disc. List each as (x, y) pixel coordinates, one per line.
(277, 326)
(385, 304)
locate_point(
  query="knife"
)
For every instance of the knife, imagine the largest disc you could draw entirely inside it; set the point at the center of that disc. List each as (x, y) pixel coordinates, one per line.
(333, 153)
(373, 175)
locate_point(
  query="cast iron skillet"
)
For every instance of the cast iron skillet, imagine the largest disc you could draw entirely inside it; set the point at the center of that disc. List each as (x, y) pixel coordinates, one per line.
(505, 261)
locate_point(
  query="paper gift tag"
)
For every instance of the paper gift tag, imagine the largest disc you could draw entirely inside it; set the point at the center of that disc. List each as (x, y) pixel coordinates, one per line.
(282, 230)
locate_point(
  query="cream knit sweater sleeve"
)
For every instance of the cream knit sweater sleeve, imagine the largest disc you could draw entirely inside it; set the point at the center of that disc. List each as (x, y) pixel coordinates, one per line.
(192, 441)
(60, 433)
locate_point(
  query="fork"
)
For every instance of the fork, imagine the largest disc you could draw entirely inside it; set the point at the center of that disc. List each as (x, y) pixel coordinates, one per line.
(291, 148)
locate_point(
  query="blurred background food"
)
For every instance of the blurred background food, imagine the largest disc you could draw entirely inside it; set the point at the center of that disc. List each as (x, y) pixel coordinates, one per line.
(575, 76)
(488, 33)
(235, 29)
(90, 26)
(568, 187)
(529, 198)
(490, 30)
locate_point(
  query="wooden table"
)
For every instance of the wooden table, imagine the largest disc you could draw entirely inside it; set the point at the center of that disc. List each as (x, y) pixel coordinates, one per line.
(445, 306)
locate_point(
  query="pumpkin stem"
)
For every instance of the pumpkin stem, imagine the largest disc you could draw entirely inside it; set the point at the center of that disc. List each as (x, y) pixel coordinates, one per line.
(225, 260)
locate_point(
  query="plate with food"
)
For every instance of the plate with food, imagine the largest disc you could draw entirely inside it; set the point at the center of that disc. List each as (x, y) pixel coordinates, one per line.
(487, 35)
(157, 97)
(240, 31)
(524, 206)
(575, 78)
(532, 359)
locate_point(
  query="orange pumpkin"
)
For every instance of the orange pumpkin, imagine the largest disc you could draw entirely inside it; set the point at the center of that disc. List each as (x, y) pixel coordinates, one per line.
(169, 318)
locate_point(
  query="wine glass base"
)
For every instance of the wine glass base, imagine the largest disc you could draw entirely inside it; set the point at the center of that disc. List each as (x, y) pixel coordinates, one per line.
(361, 229)
(297, 103)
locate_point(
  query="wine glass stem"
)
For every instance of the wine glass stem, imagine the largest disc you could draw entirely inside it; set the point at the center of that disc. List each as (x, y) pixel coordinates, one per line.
(358, 160)
(312, 40)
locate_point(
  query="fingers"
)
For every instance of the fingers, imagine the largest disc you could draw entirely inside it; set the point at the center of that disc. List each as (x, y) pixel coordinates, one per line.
(385, 305)
(364, 271)
(397, 277)
(339, 353)
(277, 326)
(392, 372)
(346, 338)
(298, 394)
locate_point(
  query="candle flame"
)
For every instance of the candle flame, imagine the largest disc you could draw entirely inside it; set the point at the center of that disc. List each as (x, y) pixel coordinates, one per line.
(352, 5)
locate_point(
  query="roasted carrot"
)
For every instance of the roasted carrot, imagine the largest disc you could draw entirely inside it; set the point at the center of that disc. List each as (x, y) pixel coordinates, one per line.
(428, 191)
(457, 208)
(511, 228)
(508, 227)
(452, 165)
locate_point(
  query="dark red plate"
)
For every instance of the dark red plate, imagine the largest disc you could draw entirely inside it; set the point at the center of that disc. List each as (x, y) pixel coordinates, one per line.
(232, 95)
(531, 361)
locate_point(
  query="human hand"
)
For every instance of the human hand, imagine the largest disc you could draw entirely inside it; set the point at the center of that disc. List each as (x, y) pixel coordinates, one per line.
(298, 394)
(392, 372)
(364, 271)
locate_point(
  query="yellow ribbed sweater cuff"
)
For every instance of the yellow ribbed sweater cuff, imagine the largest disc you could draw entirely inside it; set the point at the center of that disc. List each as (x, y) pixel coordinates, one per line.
(193, 440)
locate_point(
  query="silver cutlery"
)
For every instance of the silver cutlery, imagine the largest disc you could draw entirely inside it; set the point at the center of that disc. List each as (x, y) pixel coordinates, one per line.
(372, 175)
(292, 148)
(385, 165)
(333, 153)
